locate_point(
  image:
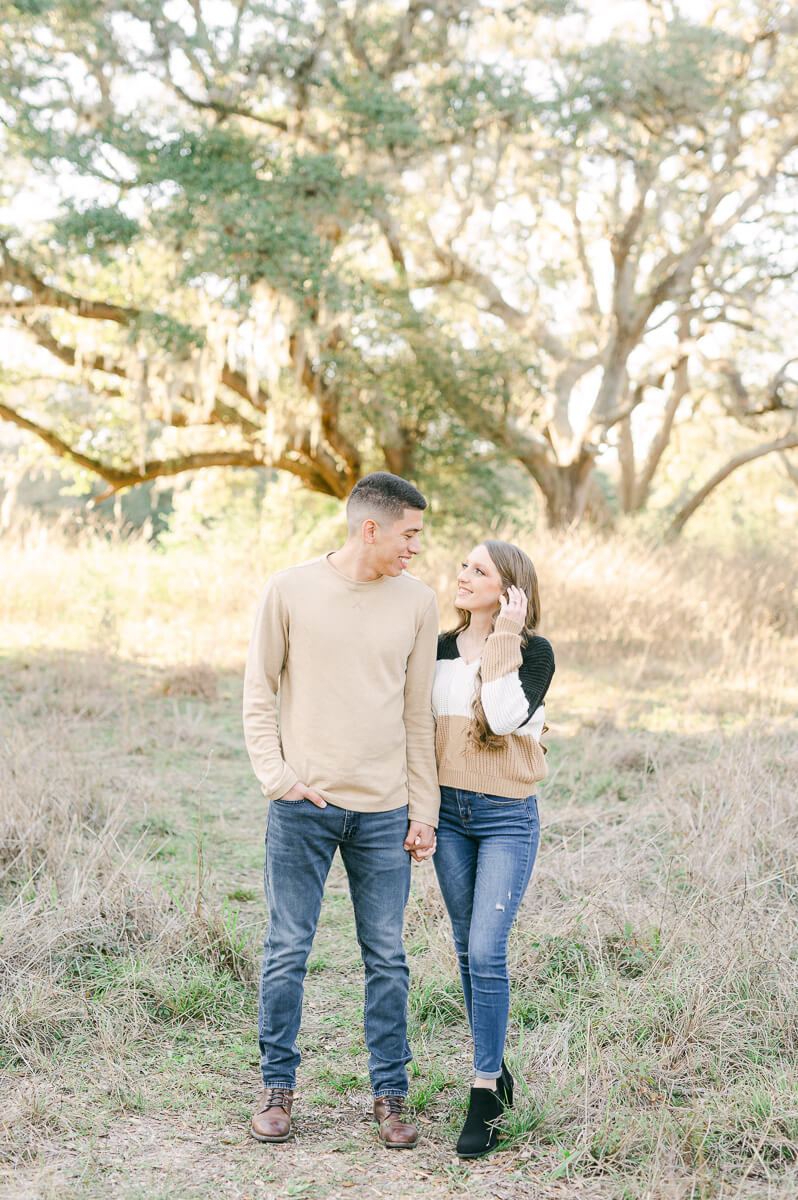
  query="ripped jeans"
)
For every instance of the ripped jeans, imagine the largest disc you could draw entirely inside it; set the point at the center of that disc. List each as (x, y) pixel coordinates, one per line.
(486, 852)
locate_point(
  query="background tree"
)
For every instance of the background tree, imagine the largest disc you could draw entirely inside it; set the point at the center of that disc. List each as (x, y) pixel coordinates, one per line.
(417, 236)
(637, 230)
(213, 252)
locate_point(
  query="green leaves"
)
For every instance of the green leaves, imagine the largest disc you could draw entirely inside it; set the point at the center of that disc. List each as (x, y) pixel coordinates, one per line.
(95, 229)
(236, 207)
(439, 238)
(375, 111)
(33, 8)
(642, 87)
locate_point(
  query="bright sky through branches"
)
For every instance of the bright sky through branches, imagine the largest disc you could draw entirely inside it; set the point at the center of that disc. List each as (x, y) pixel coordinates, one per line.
(522, 221)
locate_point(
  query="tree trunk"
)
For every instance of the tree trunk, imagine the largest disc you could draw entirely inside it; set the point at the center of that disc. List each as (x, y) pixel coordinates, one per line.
(566, 488)
(398, 451)
(626, 463)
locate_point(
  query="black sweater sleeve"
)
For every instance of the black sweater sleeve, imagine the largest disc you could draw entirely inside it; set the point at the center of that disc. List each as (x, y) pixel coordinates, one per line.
(536, 671)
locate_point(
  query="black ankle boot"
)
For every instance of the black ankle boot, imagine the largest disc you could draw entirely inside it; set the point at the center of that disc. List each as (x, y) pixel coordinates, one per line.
(479, 1132)
(504, 1086)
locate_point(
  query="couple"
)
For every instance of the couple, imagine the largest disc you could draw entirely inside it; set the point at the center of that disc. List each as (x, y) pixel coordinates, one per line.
(349, 763)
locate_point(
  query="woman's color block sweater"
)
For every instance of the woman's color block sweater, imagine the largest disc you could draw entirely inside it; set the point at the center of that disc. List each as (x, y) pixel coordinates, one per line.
(515, 680)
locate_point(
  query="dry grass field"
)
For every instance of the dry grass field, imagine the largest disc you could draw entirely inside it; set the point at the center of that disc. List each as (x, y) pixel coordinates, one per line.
(654, 1007)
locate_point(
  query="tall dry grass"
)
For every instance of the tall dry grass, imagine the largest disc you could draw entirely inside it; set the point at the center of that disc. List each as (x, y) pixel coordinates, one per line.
(654, 1011)
(655, 966)
(601, 595)
(92, 955)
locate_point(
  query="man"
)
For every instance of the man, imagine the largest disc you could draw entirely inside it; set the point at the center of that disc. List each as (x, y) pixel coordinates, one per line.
(350, 640)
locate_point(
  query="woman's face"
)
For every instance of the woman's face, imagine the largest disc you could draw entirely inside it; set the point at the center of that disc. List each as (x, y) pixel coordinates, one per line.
(479, 584)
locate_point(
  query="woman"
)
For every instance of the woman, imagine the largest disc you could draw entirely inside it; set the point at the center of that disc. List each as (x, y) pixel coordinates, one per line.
(492, 673)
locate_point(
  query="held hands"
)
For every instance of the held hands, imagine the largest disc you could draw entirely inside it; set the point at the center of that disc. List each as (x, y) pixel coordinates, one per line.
(420, 841)
(300, 792)
(513, 605)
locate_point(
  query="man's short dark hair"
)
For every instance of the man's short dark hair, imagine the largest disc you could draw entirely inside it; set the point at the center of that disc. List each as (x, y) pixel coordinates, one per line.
(383, 494)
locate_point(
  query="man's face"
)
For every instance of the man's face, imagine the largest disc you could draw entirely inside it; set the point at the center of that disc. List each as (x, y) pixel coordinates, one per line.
(395, 543)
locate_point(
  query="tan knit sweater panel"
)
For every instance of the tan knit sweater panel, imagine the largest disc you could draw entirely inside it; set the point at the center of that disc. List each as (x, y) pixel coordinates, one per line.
(353, 663)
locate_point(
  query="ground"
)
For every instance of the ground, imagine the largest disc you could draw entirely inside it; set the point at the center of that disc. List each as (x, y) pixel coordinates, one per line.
(654, 1017)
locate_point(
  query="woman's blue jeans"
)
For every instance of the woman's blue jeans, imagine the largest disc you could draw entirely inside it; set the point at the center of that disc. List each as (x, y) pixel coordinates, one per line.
(301, 841)
(486, 852)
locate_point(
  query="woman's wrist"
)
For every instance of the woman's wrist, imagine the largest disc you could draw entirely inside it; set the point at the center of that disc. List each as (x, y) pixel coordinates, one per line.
(505, 624)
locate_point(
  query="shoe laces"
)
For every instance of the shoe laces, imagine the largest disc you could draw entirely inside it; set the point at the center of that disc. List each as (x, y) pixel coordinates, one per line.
(394, 1104)
(275, 1097)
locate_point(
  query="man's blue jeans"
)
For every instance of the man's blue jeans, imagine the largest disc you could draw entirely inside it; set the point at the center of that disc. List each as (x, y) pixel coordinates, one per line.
(301, 841)
(486, 852)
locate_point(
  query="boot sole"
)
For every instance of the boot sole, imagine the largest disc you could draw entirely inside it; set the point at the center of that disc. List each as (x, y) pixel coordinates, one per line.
(398, 1145)
(260, 1137)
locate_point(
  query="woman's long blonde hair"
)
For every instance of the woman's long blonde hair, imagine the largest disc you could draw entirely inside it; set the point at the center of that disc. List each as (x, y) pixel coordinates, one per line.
(515, 570)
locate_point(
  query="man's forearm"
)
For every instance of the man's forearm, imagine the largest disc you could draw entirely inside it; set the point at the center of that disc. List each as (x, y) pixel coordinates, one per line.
(267, 649)
(263, 742)
(422, 772)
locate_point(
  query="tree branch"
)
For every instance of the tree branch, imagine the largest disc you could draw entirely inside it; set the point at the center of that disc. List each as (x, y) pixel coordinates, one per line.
(674, 268)
(515, 318)
(297, 460)
(792, 472)
(46, 296)
(397, 56)
(661, 439)
(224, 109)
(225, 413)
(329, 404)
(122, 477)
(683, 515)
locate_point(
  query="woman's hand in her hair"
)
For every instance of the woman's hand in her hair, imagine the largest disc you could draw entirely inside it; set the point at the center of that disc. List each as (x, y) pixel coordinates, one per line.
(513, 605)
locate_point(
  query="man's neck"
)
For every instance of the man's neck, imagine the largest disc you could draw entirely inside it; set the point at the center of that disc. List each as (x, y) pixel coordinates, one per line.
(353, 561)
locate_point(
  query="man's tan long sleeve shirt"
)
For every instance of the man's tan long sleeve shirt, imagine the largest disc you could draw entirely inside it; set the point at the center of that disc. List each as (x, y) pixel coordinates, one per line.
(354, 664)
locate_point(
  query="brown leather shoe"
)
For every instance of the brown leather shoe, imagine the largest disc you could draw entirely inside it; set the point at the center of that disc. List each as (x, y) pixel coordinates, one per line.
(397, 1131)
(271, 1121)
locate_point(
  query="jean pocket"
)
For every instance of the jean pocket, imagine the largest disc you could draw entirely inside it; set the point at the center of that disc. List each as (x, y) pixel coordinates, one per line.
(292, 803)
(500, 801)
